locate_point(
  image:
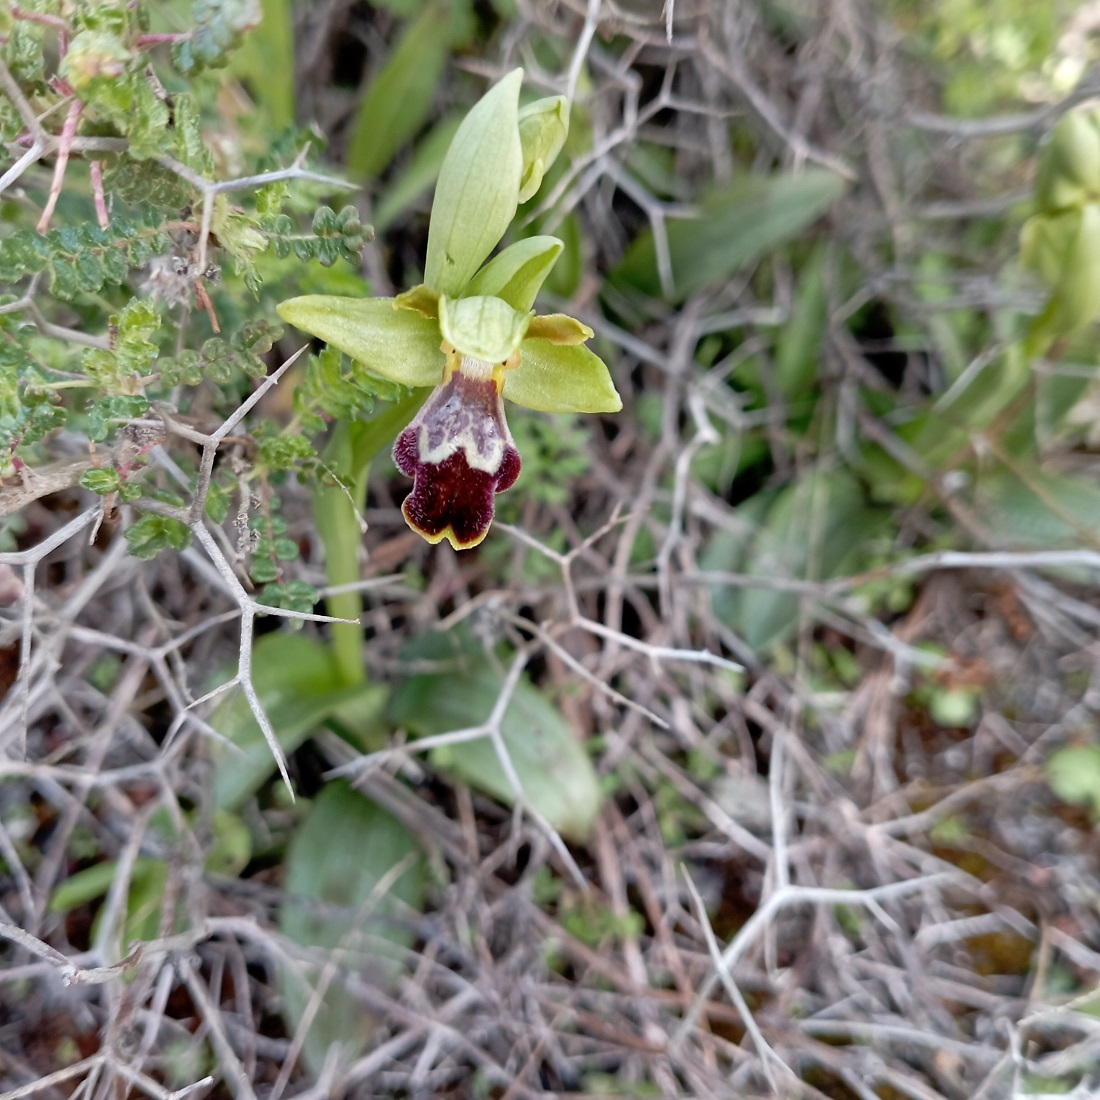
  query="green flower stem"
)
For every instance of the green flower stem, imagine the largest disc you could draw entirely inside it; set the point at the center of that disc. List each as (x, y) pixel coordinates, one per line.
(348, 455)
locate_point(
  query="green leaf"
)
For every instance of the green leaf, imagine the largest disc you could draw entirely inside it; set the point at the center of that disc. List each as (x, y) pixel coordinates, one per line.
(228, 855)
(1028, 507)
(102, 481)
(398, 344)
(555, 773)
(813, 529)
(400, 96)
(798, 350)
(517, 273)
(478, 188)
(232, 847)
(151, 534)
(147, 121)
(263, 571)
(148, 877)
(561, 378)
(216, 29)
(565, 278)
(736, 226)
(299, 686)
(1074, 775)
(416, 178)
(89, 272)
(354, 883)
(84, 886)
(266, 61)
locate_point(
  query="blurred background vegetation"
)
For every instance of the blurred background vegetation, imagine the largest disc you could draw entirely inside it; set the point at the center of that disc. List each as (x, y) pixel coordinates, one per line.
(755, 752)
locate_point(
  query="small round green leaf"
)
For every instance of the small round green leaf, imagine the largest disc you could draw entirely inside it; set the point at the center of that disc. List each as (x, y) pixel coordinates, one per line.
(102, 481)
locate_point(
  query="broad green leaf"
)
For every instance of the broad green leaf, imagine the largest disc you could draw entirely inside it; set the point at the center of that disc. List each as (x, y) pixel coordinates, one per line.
(418, 175)
(354, 884)
(1027, 507)
(554, 771)
(1074, 775)
(517, 273)
(798, 350)
(736, 226)
(478, 188)
(398, 344)
(814, 529)
(400, 96)
(561, 378)
(300, 686)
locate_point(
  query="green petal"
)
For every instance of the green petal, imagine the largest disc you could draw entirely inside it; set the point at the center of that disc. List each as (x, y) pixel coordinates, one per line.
(517, 274)
(559, 328)
(484, 328)
(478, 188)
(420, 298)
(553, 378)
(398, 344)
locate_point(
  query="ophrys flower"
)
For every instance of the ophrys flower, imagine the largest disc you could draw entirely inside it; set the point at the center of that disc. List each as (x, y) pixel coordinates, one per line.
(469, 330)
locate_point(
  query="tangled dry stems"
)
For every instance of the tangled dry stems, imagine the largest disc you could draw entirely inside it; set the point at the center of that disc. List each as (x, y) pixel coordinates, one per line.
(778, 927)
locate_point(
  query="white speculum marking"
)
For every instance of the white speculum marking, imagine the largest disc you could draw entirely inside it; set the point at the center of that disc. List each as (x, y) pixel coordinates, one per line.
(466, 413)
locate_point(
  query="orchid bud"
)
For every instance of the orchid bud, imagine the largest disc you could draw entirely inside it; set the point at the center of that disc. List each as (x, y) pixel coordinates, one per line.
(543, 126)
(1069, 166)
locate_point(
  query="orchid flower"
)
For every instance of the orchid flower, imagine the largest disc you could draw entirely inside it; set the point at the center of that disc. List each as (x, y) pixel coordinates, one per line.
(469, 330)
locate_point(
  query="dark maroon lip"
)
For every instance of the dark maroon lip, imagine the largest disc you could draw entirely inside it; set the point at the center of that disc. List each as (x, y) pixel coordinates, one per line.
(460, 454)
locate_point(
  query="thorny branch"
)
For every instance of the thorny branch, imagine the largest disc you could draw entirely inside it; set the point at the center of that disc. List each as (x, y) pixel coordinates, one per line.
(822, 929)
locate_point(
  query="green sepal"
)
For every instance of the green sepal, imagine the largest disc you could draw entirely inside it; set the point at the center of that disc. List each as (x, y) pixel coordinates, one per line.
(478, 188)
(543, 128)
(561, 379)
(516, 275)
(559, 328)
(484, 328)
(397, 344)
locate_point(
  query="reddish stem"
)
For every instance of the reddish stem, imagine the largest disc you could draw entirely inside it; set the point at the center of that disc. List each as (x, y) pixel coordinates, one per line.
(96, 170)
(65, 143)
(144, 40)
(206, 305)
(54, 21)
